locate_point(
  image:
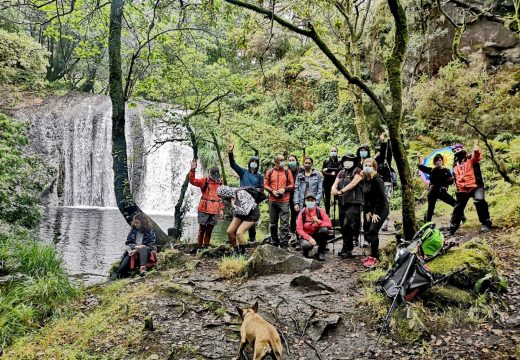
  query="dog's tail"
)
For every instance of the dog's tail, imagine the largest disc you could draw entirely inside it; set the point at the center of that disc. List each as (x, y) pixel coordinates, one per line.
(276, 348)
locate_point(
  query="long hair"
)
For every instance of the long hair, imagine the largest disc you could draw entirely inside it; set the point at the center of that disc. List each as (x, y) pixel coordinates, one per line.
(374, 165)
(146, 222)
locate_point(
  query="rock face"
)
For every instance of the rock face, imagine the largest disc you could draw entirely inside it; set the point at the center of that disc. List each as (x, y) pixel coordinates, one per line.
(268, 260)
(320, 327)
(310, 284)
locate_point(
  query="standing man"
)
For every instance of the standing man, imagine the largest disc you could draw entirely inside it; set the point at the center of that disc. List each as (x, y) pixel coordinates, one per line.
(470, 184)
(249, 178)
(278, 183)
(330, 170)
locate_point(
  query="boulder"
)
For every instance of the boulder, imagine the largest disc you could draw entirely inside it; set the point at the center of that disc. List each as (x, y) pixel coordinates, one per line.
(268, 260)
(310, 284)
(320, 327)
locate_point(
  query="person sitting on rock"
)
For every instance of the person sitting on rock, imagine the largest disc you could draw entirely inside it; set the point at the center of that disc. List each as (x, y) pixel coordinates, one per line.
(313, 226)
(140, 247)
(245, 213)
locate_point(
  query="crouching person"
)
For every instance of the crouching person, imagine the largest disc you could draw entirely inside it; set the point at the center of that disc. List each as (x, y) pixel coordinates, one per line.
(313, 226)
(140, 247)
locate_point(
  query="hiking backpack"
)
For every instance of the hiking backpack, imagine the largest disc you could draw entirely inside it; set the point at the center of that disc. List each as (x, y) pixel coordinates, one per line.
(432, 240)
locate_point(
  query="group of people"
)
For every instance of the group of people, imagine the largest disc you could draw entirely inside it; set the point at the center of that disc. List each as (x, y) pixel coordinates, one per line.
(361, 184)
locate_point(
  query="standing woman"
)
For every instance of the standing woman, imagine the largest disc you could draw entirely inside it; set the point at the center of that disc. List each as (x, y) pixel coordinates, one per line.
(245, 214)
(440, 179)
(140, 246)
(375, 206)
(308, 180)
(210, 206)
(294, 167)
(330, 170)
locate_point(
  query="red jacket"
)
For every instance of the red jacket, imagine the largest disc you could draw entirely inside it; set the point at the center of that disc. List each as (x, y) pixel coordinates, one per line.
(275, 179)
(209, 202)
(309, 228)
(465, 178)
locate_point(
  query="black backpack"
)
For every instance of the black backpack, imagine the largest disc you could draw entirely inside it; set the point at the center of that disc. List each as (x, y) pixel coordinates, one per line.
(257, 193)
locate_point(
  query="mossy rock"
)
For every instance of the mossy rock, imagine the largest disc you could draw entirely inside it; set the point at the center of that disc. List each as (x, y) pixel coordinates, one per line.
(170, 258)
(474, 257)
(409, 330)
(439, 296)
(217, 251)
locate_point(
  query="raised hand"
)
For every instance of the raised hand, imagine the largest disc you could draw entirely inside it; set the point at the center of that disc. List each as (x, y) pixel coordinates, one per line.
(230, 148)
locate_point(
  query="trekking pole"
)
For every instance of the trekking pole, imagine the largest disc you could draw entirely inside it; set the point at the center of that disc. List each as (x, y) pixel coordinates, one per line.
(334, 226)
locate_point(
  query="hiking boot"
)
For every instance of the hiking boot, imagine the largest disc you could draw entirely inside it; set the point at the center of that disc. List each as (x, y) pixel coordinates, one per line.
(485, 229)
(196, 251)
(236, 251)
(321, 256)
(369, 262)
(365, 244)
(242, 249)
(305, 253)
(142, 271)
(345, 254)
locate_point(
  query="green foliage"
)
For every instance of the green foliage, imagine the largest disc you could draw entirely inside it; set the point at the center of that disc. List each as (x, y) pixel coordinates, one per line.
(22, 60)
(39, 284)
(22, 177)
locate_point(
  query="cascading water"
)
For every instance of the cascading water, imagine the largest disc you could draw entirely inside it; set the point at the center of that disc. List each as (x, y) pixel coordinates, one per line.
(73, 135)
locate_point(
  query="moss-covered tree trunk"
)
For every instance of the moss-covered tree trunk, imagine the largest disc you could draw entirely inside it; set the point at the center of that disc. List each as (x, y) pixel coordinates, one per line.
(124, 198)
(394, 65)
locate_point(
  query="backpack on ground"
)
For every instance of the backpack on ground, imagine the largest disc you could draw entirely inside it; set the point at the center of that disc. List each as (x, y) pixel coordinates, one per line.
(432, 240)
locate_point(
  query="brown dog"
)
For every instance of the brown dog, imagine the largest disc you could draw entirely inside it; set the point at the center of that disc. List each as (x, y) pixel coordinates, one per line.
(260, 335)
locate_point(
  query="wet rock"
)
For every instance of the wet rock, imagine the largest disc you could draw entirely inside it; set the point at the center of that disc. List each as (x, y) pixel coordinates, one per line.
(320, 327)
(268, 260)
(310, 284)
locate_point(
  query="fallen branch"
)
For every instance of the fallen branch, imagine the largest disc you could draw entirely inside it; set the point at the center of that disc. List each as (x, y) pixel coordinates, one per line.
(314, 347)
(307, 323)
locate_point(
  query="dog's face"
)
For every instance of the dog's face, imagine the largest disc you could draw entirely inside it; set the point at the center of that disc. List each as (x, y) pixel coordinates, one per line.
(243, 312)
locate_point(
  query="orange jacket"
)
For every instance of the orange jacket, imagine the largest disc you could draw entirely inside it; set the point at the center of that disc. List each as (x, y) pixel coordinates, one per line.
(209, 202)
(464, 173)
(275, 179)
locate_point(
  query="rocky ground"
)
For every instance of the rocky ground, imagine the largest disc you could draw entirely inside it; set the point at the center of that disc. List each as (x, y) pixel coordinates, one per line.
(186, 310)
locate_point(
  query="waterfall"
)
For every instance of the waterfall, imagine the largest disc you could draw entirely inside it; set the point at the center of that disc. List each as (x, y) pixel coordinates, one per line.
(73, 134)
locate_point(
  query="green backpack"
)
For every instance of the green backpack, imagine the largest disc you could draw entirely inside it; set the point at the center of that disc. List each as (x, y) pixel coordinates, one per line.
(432, 240)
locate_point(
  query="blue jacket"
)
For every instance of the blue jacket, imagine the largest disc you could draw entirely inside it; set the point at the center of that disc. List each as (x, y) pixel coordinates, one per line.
(315, 186)
(247, 177)
(149, 239)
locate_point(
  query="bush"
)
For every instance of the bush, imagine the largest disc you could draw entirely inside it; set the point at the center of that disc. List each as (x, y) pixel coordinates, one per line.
(22, 60)
(38, 286)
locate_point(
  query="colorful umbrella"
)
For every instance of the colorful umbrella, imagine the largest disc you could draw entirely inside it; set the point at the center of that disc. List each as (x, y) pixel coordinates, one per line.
(446, 153)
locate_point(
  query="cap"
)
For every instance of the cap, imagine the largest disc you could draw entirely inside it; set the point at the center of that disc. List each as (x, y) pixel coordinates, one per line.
(349, 156)
(310, 194)
(214, 172)
(456, 147)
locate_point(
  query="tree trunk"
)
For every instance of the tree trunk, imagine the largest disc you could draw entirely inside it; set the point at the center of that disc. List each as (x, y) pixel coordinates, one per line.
(360, 119)
(124, 198)
(176, 231)
(394, 65)
(220, 159)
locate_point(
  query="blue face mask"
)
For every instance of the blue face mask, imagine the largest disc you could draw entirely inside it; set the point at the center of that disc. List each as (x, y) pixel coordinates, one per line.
(333, 154)
(310, 204)
(368, 169)
(253, 165)
(363, 154)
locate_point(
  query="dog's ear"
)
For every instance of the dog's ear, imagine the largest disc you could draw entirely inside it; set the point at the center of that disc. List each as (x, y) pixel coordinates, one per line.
(255, 307)
(240, 312)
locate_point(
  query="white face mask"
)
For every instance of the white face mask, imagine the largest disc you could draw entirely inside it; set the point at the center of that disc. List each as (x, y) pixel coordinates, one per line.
(310, 204)
(368, 169)
(348, 164)
(253, 165)
(281, 164)
(333, 153)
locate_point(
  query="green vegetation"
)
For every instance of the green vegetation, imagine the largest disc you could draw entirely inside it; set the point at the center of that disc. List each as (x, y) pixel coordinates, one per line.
(232, 267)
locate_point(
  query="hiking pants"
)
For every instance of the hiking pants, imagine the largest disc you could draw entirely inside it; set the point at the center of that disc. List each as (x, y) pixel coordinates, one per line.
(350, 222)
(480, 204)
(327, 187)
(437, 193)
(320, 236)
(372, 235)
(124, 267)
(279, 212)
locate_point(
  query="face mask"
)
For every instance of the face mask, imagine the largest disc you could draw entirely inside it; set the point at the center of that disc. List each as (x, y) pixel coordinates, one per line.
(333, 153)
(348, 164)
(307, 167)
(253, 165)
(281, 164)
(292, 164)
(310, 204)
(368, 169)
(363, 154)
(438, 164)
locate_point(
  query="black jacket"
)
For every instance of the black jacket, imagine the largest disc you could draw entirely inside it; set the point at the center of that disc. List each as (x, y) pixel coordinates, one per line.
(374, 196)
(439, 177)
(354, 196)
(332, 165)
